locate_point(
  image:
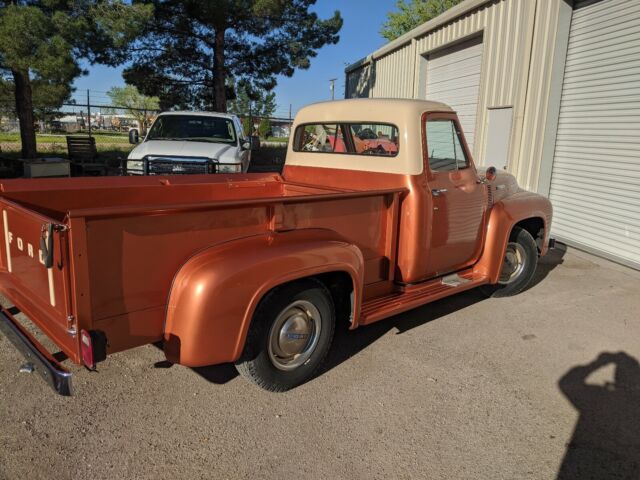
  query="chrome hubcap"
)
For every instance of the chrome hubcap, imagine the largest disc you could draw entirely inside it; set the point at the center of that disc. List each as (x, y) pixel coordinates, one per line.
(513, 263)
(294, 335)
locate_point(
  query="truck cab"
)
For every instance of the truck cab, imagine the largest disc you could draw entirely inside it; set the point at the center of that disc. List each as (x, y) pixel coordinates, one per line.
(449, 204)
(379, 209)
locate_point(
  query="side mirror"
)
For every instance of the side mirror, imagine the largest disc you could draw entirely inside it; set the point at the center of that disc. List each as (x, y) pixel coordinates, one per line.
(490, 174)
(255, 142)
(134, 136)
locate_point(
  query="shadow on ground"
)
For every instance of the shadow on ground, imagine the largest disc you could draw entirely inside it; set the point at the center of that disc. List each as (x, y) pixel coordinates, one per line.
(347, 344)
(546, 264)
(606, 439)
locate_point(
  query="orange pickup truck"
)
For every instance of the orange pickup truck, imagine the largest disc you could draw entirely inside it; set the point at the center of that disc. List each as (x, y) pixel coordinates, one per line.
(257, 269)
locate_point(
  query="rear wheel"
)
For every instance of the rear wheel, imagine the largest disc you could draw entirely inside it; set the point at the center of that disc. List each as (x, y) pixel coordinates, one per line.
(518, 265)
(289, 336)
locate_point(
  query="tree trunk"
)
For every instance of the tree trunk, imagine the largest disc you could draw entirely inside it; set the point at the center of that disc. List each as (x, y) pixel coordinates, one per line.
(219, 74)
(24, 109)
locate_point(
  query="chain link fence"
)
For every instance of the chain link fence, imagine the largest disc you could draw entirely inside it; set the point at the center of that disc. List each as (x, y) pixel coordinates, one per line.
(110, 126)
(107, 124)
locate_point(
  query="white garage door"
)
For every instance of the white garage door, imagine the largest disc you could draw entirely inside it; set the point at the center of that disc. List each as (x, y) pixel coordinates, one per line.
(453, 77)
(595, 182)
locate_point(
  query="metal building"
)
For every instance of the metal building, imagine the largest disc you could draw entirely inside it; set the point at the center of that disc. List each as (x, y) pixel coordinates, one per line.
(548, 90)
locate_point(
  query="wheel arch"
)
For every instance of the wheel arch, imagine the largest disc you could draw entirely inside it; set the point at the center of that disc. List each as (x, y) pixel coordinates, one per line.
(536, 228)
(526, 210)
(216, 292)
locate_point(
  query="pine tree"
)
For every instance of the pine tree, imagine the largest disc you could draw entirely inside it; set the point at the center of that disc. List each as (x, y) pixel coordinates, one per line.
(193, 50)
(257, 103)
(43, 41)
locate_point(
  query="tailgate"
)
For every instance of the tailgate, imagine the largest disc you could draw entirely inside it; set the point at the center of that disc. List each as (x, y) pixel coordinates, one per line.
(42, 293)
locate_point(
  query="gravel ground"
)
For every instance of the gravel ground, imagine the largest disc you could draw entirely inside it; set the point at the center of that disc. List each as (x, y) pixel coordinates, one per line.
(462, 388)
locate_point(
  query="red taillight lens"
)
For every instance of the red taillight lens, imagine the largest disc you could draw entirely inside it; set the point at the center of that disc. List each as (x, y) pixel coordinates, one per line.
(86, 349)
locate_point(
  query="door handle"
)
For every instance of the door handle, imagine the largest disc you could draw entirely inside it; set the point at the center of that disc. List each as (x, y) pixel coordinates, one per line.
(436, 192)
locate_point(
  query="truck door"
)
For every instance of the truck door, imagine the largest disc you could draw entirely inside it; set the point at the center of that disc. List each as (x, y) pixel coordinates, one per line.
(457, 201)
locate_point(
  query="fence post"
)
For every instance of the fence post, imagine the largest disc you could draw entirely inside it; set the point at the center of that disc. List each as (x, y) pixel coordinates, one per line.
(89, 113)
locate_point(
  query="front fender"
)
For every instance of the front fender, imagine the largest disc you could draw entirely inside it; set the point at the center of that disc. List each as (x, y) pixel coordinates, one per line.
(504, 215)
(215, 293)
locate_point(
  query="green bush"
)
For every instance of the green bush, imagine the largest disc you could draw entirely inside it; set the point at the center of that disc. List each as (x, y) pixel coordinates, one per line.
(264, 129)
(246, 124)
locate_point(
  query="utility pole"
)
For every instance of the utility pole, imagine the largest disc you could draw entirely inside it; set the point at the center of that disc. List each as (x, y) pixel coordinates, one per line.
(290, 124)
(251, 118)
(88, 112)
(332, 87)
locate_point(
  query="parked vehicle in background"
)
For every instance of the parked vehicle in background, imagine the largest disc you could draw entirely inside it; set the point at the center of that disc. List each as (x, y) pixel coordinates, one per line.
(191, 142)
(257, 269)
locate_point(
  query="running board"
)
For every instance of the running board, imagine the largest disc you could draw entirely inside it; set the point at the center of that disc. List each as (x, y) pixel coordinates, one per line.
(416, 295)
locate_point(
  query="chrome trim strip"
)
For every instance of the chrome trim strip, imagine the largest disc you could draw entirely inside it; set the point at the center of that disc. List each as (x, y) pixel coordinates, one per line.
(51, 372)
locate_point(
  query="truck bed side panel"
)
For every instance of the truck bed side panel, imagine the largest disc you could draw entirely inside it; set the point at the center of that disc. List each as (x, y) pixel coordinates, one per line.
(132, 260)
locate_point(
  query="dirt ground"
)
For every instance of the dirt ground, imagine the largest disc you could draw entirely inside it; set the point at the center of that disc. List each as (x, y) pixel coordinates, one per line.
(462, 388)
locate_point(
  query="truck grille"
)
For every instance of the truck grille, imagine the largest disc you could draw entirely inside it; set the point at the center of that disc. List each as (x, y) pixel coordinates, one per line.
(177, 166)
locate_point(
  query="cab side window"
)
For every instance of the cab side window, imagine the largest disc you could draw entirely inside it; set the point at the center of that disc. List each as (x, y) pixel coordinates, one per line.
(444, 146)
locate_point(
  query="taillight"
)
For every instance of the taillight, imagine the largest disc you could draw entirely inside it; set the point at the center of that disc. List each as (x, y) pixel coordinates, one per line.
(86, 349)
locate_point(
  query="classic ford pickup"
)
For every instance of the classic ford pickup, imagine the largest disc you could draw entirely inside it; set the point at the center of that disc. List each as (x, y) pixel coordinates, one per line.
(379, 209)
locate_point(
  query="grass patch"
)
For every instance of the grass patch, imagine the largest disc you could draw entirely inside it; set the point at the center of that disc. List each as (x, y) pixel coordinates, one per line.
(265, 159)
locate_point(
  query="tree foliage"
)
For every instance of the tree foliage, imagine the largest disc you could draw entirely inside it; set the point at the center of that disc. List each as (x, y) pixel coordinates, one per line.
(412, 13)
(191, 50)
(142, 107)
(43, 41)
(247, 125)
(259, 103)
(264, 128)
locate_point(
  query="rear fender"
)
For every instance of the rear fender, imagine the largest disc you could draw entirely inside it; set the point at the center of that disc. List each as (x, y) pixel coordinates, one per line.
(504, 215)
(215, 293)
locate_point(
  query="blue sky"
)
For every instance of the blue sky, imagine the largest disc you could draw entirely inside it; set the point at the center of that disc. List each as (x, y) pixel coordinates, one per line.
(359, 37)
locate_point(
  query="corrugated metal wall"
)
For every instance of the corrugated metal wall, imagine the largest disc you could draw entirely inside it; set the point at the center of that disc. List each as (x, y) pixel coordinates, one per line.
(358, 80)
(518, 38)
(527, 157)
(394, 74)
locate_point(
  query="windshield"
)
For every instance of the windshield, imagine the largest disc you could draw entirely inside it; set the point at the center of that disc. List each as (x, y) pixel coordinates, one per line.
(193, 128)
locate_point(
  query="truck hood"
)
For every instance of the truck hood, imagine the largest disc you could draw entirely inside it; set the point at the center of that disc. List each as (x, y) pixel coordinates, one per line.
(223, 152)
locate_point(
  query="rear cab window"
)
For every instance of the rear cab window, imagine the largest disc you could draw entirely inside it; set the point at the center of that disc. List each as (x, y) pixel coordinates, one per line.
(375, 139)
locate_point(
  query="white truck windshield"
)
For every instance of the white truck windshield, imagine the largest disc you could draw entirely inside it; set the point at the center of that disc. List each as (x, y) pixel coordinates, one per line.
(193, 128)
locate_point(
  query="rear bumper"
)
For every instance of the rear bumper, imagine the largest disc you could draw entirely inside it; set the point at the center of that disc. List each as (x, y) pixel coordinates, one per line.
(43, 362)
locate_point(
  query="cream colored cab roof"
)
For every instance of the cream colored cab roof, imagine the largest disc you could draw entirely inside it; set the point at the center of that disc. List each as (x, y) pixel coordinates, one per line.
(402, 113)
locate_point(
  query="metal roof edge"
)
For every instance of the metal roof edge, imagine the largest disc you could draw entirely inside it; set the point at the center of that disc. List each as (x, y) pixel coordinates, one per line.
(359, 63)
(459, 10)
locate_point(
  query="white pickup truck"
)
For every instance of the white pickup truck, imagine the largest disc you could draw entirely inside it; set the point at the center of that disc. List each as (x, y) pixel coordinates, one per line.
(191, 142)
